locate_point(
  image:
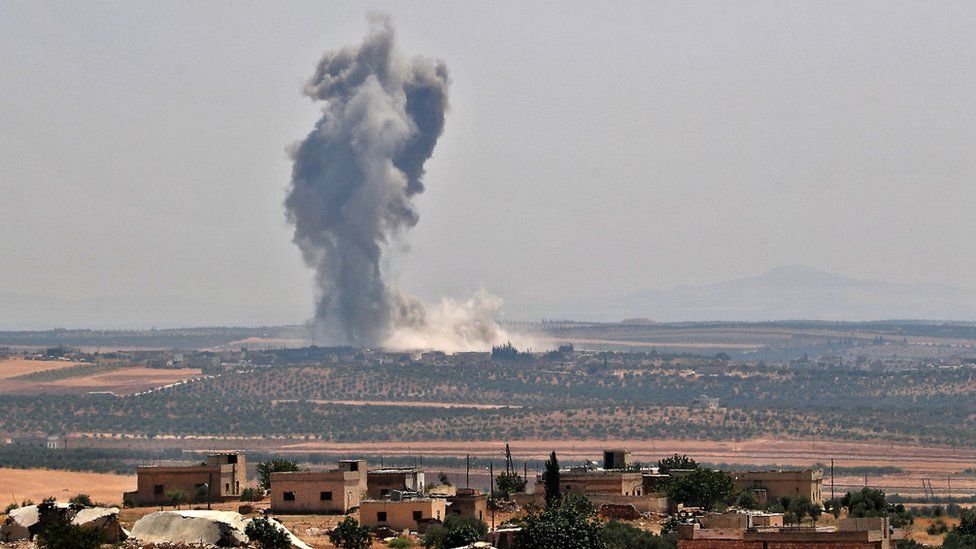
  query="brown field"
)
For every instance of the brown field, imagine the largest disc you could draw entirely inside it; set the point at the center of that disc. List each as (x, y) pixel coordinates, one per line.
(37, 484)
(18, 366)
(407, 404)
(122, 381)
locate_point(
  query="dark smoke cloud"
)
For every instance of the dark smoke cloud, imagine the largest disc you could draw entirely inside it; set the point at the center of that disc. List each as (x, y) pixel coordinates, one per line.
(355, 174)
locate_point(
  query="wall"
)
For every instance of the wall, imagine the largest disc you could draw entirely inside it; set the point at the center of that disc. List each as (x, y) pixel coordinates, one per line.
(307, 488)
(399, 514)
(185, 479)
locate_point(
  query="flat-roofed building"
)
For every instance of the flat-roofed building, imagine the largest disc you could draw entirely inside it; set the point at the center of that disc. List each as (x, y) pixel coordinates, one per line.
(221, 477)
(381, 482)
(408, 513)
(777, 484)
(468, 502)
(870, 533)
(315, 491)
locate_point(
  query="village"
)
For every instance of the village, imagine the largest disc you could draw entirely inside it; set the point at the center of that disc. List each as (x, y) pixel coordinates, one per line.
(355, 505)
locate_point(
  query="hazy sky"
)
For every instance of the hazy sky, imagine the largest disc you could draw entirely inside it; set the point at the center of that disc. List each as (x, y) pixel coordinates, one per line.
(589, 151)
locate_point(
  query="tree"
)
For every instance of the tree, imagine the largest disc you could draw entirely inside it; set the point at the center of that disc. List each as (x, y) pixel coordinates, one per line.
(703, 488)
(82, 499)
(266, 534)
(265, 468)
(456, 531)
(833, 506)
(869, 502)
(967, 523)
(570, 525)
(676, 461)
(177, 497)
(747, 500)
(349, 534)
(60, 533)
(620, 535)
(550, 479)
(508, 484)
(251, 494)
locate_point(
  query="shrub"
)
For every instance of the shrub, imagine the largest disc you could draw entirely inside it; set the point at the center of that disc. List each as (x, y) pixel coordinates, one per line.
(400, 543)
(265, 468)
(455, 532)
(349, 534)
(620, 535)
(82, 499)
(266, 534)
(60, 533)
(251, 494)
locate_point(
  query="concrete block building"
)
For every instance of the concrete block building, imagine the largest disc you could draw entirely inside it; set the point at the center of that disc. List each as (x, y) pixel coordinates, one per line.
(221, 477)
(469, 502)
(315, 491)
(380, 482)
(772, 485)
(404, 514)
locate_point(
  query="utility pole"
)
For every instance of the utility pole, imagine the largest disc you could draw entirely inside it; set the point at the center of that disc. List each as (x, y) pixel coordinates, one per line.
(491, 475)
(467, 471)
(832, 478)
(949, 480)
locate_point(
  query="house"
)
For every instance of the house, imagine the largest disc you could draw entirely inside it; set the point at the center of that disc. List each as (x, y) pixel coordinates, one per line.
(870, 533)
(220, 478)
(772, 485)
(402, 514)
(315, 492)
(468, 502)
(380, 482)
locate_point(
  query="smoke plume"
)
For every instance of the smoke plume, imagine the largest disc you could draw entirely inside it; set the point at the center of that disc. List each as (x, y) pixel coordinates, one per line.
(353, 181)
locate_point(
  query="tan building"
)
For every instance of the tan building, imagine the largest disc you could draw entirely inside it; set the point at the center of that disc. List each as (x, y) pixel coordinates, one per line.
(849, 534)
(380, 482)
(222, 476)
(468, 502)
(315, 491)
(776, 484)
(591, 482)
(616, 459)
(403, 514)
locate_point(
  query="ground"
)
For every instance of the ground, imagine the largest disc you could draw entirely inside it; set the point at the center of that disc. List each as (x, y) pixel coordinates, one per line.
(18, 485)
(121, 381)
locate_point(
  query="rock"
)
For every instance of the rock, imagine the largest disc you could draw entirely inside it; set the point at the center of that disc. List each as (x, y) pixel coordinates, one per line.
(223, 528)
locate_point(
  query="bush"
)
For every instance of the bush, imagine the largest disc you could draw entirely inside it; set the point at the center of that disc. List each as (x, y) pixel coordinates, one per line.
(10, 508)
(508, 484)
(400, 543)
(251, 494)
(620, 535)
(82, 499)
(265, 468)
(455, 532)
(571, 524)
(61, 534)
(349, 534)
(266, 534)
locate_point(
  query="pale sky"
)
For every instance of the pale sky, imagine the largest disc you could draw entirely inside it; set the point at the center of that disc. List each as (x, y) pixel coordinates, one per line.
(590, 151)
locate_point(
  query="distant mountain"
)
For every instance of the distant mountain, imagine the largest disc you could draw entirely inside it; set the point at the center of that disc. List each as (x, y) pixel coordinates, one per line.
(784, 293)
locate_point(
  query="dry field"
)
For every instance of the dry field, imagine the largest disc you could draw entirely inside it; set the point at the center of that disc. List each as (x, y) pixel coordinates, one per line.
(122, 381)
(37, 484)
(404, 403)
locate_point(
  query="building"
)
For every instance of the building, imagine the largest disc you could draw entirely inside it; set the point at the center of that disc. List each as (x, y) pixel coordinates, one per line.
(616, 459)
(772, 485)
(381, 482)
(705, 402)
(403, 514)
(220, 478)
(594, 482)
(469, 502)
(871, 533)
(315, 491)
(55, 443)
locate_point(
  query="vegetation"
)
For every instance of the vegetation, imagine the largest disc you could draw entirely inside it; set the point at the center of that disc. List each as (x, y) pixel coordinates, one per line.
(177, 497)
(60, 533)
(265, 468)
(456, 531)
(266, 534)
(569, 524)
(675, 462)
(620, 535)
(349, 534)
(508, 484)
(400, 543)
(82, 499)
(869, 502)
(703, 488)
(252, 494)
(550, 480)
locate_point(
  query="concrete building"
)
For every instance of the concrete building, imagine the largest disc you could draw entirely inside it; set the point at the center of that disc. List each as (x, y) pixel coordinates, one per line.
(404, 514)
(380, 482)
(593, 482)
(221, 476)
(870, 533)
(616, 459)
(772, 485)
(316, 491)
(469, 502)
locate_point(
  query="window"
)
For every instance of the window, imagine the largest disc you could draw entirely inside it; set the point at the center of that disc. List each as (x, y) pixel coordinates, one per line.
(289, 496)
(354, 466)
(231, 459)
(381, 516)
(158, 489)
(227, 487)
(417, 515)
(325, 496)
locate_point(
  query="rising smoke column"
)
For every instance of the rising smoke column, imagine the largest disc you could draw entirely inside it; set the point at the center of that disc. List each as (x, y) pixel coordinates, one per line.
(355, 174)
